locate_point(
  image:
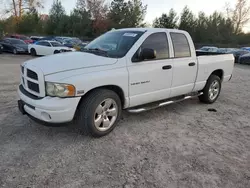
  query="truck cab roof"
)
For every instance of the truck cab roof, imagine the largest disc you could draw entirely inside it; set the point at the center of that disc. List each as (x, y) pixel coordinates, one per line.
(150, 30)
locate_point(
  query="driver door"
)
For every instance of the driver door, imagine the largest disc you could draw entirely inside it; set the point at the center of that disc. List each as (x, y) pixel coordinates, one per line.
(7, 45)
(150, 80)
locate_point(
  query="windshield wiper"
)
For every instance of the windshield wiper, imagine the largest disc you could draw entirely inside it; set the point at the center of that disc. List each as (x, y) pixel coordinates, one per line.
(96, 50)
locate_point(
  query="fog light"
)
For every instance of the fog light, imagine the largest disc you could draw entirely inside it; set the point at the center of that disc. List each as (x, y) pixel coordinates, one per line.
(46, 116)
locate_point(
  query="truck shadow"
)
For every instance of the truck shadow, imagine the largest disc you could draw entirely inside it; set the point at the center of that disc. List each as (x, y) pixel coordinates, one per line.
(15, 124)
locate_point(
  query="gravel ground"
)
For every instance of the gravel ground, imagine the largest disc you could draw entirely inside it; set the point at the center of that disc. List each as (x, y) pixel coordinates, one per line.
(181, 145)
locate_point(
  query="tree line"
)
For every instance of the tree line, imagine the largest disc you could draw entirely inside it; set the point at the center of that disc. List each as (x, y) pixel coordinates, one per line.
(91, 18)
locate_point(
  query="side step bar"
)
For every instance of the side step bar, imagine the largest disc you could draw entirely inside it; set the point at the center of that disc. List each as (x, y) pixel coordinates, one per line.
(155, 105)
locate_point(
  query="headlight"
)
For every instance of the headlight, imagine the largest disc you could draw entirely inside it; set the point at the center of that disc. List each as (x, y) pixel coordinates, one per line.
(59, 90)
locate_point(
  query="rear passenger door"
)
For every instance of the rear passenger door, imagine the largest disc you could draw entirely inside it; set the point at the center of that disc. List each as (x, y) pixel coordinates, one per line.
(150, 80)
(184, 64)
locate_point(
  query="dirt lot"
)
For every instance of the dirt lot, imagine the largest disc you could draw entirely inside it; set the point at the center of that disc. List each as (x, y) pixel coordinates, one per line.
(181, 145)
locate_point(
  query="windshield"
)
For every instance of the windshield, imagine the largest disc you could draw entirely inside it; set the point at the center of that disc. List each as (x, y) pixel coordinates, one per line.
(59, 40)
(115, 43)
(17, 42)
(68, 41)
(55, 44)
(77, 40)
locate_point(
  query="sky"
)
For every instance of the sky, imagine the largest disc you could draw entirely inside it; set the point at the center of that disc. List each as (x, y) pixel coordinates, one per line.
(157, 7)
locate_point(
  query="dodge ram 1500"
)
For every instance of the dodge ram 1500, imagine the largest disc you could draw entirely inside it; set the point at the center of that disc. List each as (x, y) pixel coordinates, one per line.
(135, 69)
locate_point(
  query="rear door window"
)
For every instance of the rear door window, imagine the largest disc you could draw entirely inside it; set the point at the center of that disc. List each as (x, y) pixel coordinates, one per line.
(180, 45)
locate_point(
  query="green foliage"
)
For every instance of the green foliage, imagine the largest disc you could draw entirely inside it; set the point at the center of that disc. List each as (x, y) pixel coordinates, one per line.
(79, 23)
(188, 21)
(126, 13)
(57, 23)
(167, 20)
(30, 23)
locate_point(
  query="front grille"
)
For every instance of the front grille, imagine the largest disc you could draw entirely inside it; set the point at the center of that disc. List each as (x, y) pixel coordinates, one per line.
(32, 74)
(33, 86)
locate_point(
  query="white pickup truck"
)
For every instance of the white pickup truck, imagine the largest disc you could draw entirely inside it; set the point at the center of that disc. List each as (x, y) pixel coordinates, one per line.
(135, 69)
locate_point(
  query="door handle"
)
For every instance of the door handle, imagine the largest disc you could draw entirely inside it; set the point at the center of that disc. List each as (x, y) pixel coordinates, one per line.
(191, 64)
(166, 67)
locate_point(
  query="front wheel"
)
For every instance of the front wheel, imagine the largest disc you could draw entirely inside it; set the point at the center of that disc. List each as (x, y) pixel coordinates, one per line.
(14, 51)
(99, 112)
(33, 52)
(212, 90)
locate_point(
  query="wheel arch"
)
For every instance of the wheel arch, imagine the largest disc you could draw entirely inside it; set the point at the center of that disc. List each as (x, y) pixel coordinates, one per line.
(30, 49)
(219, 73)
(118, 90)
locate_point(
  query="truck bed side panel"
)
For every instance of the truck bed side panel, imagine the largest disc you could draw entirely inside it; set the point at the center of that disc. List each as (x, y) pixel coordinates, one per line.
(208, 64)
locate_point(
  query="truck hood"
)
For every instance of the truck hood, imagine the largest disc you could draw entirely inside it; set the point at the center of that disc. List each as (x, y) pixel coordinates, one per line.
(69, 61)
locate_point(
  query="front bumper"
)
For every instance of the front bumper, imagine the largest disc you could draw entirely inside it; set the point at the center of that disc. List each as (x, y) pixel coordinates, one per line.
(49, 109)
(22, 51)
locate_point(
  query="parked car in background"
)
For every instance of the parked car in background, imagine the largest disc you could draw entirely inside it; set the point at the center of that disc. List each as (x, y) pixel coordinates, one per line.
(226, 50)
(35, 38)
(62, 39)
(1, 48)
(14, 46)
(69, 43)
(26, 39)
(208, 49)
(246, 48)
(45, 47)
(244, 59)
(238, 53)
(49, 38)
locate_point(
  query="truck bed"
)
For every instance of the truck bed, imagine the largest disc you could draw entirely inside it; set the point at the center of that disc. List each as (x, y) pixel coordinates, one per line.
(203, 53)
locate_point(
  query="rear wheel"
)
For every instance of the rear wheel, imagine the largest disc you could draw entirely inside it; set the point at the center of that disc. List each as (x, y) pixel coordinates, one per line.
(212, 90)
(33, 52)
(99, 112)
(56, 52)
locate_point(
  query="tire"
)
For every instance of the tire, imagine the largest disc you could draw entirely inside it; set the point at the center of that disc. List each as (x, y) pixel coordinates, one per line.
(213, 86)
(56, 52)
(14, 51)
(33, 52)
(93, 117)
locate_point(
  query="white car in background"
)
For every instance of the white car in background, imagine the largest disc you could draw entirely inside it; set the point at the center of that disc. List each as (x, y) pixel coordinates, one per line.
(45, 47)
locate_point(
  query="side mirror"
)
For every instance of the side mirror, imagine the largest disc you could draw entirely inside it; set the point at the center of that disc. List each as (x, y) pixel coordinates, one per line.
(147, 53)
